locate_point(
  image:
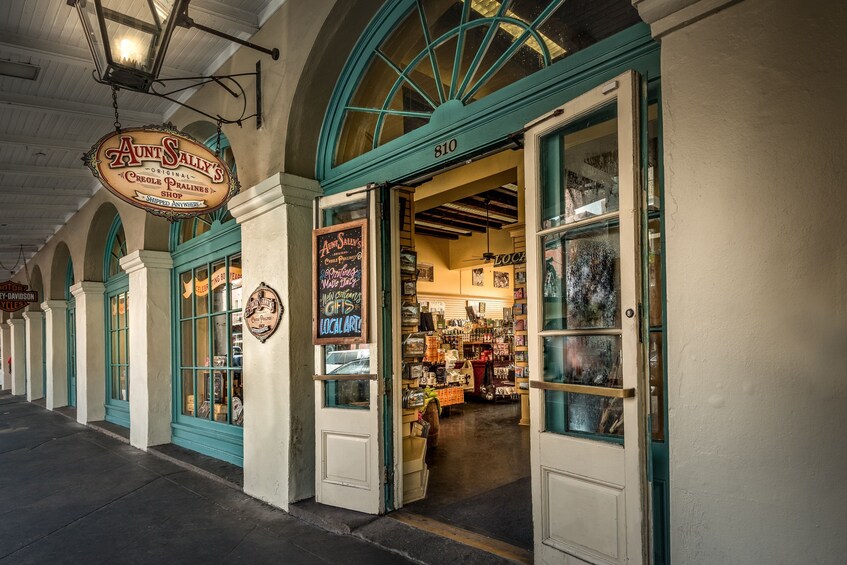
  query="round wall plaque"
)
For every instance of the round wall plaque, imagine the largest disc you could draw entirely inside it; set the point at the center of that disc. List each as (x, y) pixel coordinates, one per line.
(263, 312)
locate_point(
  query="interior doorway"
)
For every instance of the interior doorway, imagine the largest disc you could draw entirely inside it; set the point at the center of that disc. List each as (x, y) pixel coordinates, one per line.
(463, 346)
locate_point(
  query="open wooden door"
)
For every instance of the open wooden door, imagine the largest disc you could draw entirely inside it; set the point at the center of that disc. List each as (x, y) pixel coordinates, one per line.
(583, 271)
(347, 270)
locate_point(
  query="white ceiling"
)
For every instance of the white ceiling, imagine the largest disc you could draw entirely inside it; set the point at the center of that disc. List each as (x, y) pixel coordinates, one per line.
(46, 124)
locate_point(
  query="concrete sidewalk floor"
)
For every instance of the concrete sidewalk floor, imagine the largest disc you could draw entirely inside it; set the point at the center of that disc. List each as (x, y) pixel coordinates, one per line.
(70, 494)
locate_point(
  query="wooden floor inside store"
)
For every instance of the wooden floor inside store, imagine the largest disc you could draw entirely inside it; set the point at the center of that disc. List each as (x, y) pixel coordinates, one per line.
(479, 475)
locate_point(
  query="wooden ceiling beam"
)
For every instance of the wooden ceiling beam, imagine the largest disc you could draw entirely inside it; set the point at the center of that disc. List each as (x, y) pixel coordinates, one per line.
(436, 233)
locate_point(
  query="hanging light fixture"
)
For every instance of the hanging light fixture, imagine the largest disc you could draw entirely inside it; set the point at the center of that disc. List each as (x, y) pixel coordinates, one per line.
(129, 45)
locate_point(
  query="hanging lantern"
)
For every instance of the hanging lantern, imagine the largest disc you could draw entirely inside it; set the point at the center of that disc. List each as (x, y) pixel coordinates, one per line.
(129, 45)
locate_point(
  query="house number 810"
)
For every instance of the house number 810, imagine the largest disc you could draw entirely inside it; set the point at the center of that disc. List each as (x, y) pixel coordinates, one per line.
(445, 148)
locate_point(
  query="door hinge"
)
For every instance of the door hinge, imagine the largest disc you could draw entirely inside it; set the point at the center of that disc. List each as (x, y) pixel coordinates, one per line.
(389, 476)
(386, 298)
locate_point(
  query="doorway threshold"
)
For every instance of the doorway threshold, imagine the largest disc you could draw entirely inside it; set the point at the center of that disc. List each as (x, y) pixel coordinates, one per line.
(413, 536)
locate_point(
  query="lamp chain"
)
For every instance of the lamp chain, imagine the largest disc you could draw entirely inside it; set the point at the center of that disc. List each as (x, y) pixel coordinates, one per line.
(218, 140)
(115, 106)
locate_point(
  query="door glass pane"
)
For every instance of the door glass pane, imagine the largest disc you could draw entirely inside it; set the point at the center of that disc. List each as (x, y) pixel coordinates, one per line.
(220, 392)
(123, 371)
(580, 170)
(653, 200)
(654, 272)
(347, 360)
(188, 392)
(657, 386)
(235, 282)
(581, 280)
(113, 310)
(201, 291)
(186, 293)
(588, 361)
(121, 311)
(218, 285)
(346, 213)
(202, 341)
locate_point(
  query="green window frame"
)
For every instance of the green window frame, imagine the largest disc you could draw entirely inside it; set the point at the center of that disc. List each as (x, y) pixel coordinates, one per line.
(207, 332)
(70, 320)
(117, 327)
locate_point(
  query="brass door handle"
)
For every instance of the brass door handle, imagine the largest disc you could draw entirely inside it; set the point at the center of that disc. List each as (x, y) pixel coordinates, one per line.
(606, 391)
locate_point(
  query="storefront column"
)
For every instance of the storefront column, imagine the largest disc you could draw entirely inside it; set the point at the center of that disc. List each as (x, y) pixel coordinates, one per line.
(90, 354)
(150, 386)
(6, 346)
(56, 346)
(18, 353)
(279, 420)
(34, 350)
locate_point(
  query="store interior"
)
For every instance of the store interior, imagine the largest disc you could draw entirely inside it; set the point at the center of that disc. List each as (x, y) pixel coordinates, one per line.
(465, 413)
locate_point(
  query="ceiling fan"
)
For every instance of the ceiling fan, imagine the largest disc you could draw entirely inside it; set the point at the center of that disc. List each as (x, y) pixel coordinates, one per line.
(488, 256)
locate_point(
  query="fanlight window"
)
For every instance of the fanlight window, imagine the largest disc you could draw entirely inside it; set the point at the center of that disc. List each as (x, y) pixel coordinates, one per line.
(449, 52)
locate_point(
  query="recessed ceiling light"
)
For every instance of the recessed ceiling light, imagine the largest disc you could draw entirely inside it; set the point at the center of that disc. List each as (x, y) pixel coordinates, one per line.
(19, 70)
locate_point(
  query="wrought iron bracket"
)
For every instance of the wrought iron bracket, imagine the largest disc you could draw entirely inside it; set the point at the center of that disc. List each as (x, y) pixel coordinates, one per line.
(229, 83)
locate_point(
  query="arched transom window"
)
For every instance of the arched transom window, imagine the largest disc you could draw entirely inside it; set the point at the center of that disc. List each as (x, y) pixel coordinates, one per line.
(445, 53)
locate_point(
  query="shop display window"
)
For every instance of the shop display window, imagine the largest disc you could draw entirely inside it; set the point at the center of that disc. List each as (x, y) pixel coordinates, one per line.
(117, 325)
(210, 341)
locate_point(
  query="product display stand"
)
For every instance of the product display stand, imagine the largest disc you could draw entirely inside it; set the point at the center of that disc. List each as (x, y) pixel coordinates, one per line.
(518, 233)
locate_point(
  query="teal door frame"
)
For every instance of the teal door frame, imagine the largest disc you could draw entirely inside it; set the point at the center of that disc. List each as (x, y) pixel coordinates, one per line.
(117, 411)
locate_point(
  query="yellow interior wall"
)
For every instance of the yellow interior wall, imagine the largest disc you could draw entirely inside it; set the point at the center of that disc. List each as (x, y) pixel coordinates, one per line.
(457, 281)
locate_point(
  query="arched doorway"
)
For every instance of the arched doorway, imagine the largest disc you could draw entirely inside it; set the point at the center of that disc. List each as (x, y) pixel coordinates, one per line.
(434, 86)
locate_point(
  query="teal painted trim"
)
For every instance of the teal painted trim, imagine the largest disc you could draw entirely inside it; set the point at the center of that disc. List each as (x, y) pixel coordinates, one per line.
(433, 58)
(213, 444)
(482, 125)
(70, 333)
(483, 49)
(660, 451)
(117, 411)
(386, 339)
(513, 48)
(406, 78)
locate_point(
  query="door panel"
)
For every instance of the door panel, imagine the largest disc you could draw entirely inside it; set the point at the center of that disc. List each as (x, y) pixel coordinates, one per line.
(348, 400)
(583, 281)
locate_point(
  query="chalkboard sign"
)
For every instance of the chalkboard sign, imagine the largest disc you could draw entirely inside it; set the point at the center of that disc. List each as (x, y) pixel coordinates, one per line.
(340, 271)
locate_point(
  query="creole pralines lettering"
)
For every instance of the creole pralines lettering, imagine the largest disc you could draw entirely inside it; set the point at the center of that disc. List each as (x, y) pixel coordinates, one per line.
(15, 296)
(162, 170)
(340, 283)
(263, 312)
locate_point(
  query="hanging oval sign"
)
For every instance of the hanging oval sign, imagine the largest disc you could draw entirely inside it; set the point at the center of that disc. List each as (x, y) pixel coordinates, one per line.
(14, 296)
(162, 170)
(263, 312)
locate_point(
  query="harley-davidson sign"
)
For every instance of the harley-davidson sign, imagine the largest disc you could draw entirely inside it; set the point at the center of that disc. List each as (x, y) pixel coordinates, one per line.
(14, 296)
(162, 170)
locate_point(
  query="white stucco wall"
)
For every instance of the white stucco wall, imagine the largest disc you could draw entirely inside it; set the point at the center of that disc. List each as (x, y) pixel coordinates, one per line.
(755, 149)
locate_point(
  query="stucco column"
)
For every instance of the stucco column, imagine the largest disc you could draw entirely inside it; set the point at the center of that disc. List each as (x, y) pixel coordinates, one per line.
(279, 419)
(150, 384)
(56, 314)
(34, 350)
(90, 354)
(6, 345)
(17, 348)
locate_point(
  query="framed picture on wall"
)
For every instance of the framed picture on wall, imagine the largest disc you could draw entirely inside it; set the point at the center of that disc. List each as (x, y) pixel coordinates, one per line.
(426, 272)
(414, 346)
(520, 277)
(478, 277)
(501, 279)
(410, 288)
(410, 313)
(408, 262)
